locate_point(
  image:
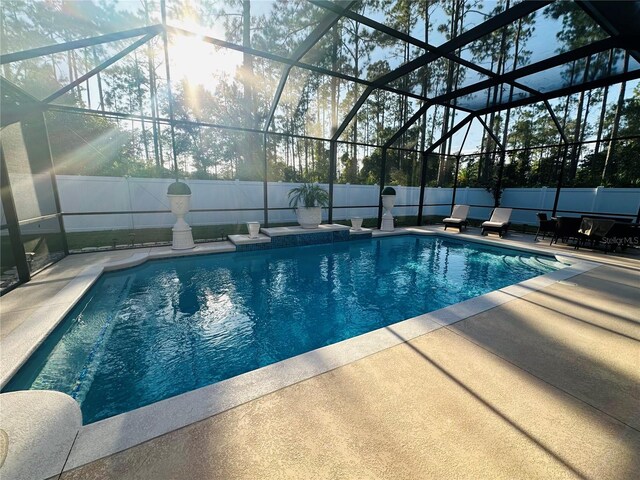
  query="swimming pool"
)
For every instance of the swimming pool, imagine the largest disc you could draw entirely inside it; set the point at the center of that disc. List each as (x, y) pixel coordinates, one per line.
(154, 331)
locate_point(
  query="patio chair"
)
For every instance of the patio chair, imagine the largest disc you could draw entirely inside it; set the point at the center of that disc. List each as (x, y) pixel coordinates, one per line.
(566, 229)
(622, 235)
(545, 225)
(458, 217)
(499, 222)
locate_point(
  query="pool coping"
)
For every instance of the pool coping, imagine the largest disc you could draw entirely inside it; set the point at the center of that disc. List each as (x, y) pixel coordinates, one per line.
(123, 431)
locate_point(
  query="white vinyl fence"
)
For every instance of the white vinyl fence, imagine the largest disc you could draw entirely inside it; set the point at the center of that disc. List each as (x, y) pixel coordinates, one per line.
(79, 194)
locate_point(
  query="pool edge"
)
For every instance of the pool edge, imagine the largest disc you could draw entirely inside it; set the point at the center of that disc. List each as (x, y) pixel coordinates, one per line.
(126, 430)
(120, 432)
(20, 344)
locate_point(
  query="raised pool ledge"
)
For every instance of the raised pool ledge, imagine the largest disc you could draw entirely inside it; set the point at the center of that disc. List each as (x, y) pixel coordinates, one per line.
(282, 237)
(296, 230)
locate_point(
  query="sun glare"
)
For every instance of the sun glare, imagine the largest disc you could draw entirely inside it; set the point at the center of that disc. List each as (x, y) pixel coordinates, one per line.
(201, 63)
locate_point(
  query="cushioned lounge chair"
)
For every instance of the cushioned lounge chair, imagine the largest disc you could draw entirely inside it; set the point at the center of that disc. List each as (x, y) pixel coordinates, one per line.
(499, 222)
(458, 217)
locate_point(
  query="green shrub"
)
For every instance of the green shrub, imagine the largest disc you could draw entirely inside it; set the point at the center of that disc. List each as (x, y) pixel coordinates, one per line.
(308, 195)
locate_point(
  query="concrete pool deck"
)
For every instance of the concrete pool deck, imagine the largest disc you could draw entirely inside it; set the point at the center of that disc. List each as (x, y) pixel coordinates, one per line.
(546, 385)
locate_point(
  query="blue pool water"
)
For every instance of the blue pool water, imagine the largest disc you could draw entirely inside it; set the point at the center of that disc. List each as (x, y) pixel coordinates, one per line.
(166, 327)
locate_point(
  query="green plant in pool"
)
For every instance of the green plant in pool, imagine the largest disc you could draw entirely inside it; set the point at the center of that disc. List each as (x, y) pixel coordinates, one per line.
(308, 195)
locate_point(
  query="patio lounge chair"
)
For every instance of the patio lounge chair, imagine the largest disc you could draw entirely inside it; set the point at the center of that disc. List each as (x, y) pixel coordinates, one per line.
(458, 217)
(499, 221)
(545, 225)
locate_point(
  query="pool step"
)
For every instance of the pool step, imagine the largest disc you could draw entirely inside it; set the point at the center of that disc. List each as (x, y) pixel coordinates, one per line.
(539, 263)
(92, 362)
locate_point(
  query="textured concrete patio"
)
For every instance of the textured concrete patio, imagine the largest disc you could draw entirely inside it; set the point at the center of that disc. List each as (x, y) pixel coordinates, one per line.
(545, 386)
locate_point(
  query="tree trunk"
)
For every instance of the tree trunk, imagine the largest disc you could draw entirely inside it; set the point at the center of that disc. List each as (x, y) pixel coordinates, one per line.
(616, 122)
(140, 95)
(603, 110)
(505, 130)
(157, 144)
(573, 157)
(247, 63)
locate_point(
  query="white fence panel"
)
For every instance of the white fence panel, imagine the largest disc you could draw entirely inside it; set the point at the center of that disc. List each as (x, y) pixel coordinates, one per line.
(576, 199)
(80, 194)
(622, 200)
(363, 196)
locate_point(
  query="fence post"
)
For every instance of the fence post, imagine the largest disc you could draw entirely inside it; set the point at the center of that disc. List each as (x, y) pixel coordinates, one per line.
(347, 215)
(543, 197)
(596, 194)
(126, 178)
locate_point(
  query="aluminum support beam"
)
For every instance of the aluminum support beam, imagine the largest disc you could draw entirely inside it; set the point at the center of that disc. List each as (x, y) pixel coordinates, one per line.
(409, 39)
(323, 27)
(75, 44)
(383, 179)
(333, 156)
(287, 61)
(431, 149)
(490, 132)
(602, 82)
(494, 23)
(414, 118)
(11, 216)
(265, 183)
(564, 155)
(512, 76)
(135, 45)
(455, 176)
(616, 18)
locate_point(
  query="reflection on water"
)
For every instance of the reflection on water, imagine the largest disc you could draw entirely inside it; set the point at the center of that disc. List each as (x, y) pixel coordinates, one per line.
(147, 333)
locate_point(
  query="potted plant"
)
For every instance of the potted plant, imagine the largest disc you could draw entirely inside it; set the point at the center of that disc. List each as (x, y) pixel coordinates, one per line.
(308, 200)
(388, 201)
(179, 195)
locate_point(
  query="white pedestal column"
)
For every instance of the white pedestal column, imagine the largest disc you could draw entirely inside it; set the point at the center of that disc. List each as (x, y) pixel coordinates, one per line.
(388, 201)
(182, 236)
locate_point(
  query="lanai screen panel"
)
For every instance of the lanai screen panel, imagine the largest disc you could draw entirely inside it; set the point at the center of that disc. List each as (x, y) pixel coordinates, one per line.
(312, 104)
(33, 24)
(360, 51)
